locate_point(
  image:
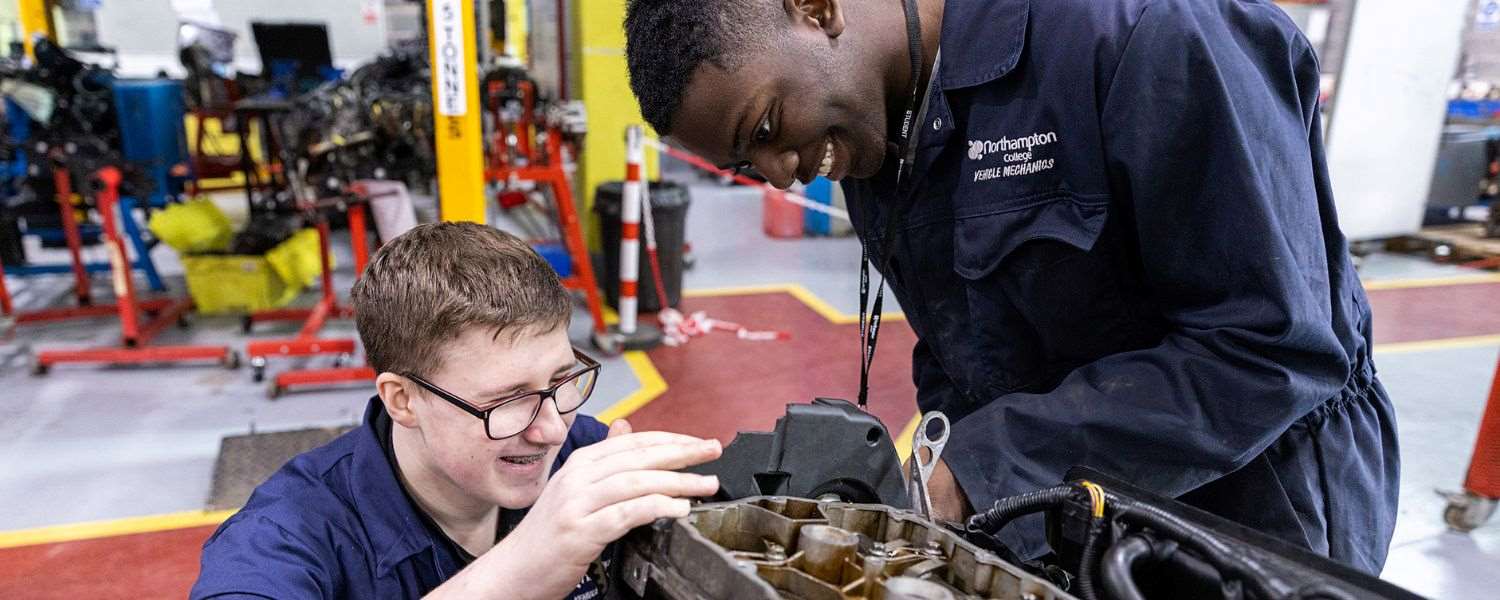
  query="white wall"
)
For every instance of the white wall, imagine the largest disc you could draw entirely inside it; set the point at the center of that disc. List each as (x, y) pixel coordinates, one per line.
(1389, 110)
(145, 31)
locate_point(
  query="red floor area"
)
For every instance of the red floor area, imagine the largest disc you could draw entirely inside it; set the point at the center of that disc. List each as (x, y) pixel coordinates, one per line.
(719, 384)
(162, 564)
(1432, 313)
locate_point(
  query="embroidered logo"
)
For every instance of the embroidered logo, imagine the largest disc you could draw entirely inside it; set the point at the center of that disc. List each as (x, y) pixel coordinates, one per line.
(1019, 155)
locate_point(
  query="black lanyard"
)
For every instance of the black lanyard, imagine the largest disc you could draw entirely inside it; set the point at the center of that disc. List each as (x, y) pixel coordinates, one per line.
(869, 325)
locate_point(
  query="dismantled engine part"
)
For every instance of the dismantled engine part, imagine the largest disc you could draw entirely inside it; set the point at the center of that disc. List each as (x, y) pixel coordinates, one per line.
(778, 547)
(377, 124)
(848, 534)
(1121, 542)
(826, 450)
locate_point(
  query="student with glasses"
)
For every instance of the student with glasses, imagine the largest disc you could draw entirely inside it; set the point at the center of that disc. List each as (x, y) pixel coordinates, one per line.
(473, 475)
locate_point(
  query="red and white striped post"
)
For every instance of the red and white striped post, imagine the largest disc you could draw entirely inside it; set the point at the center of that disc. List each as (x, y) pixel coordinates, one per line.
(630, 333)
(630, 230)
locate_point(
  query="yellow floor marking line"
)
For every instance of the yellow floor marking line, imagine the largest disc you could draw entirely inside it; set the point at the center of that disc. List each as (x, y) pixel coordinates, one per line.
(903, 439)
(1422, 282)
(1430, 345)
(652, 387)
(796, 290)
(114, 527)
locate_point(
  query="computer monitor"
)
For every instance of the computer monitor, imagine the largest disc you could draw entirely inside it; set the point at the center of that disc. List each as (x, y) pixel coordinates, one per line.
(302, 47)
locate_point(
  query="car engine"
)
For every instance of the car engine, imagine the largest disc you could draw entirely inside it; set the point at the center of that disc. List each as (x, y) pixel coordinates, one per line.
(778, 547)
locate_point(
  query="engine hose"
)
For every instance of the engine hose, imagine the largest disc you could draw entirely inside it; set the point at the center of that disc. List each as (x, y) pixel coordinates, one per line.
(1088, 562)
(1321, 591)
(1005, 510)
(1117, 566)
(1230, 562)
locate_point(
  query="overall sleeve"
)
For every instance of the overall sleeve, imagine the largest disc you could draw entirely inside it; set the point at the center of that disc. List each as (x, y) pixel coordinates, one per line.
(934, 388)
(253, 557)
(1207, 139)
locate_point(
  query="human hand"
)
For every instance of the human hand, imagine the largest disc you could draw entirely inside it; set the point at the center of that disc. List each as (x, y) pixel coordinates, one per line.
(600, 493)
(948, 500)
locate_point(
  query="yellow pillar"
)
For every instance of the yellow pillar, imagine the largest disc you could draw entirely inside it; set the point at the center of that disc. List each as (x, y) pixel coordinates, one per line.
(452, 46)
(604, 87)
(36, 18)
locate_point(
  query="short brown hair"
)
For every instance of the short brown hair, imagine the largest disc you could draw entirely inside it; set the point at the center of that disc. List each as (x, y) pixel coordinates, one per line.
(431, 284)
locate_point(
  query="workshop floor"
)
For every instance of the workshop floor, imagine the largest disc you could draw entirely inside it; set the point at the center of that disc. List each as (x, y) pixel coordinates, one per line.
(107, 469)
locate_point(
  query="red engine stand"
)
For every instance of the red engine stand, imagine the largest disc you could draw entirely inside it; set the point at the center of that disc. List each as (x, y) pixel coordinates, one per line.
(1473, 507)
(136, 332)
(85, 308)
(552, 174)
(307, 342)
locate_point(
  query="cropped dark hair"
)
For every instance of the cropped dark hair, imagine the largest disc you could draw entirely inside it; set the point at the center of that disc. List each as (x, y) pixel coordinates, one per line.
(667, 40)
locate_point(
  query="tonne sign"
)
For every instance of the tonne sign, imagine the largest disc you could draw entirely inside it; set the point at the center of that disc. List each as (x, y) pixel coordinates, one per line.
(448, 59)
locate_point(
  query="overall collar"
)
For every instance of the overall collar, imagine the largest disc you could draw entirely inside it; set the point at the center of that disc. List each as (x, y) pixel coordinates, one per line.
(981, 40)
(382, 503)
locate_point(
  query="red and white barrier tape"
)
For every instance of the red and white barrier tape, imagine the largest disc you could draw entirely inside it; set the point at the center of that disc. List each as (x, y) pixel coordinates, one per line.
(678, 329)
(696, 161)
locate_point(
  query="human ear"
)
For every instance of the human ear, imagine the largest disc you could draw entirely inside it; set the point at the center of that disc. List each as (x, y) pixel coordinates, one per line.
(827, 15)
(397, 396)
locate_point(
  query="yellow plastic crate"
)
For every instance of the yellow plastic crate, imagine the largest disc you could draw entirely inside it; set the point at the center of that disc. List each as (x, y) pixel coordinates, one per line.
(240, 284)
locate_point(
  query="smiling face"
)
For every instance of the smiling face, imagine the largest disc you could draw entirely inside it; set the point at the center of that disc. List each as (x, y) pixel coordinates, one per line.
(811, 100)
(483, 369)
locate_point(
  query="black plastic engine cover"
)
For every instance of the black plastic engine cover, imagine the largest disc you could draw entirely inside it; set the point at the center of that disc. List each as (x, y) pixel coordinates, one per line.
(827, 449)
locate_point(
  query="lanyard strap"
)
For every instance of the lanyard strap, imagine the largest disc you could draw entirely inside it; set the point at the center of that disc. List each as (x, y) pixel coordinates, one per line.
(869, 324)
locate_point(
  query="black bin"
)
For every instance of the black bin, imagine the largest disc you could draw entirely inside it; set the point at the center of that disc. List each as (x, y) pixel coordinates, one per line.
(669, 206)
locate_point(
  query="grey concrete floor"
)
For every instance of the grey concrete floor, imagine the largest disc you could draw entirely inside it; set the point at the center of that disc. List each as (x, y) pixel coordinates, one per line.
(88, 443)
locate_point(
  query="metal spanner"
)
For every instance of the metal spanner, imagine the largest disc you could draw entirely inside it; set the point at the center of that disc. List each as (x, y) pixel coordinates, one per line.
(921, 467)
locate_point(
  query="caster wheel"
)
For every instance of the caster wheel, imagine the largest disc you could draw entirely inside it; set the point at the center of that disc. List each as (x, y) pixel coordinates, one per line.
(257, 373)
(40, 369)
(610, 345)
(341, 361)
(183, 323)
(246, 324)
(1466, 511)
(231, 361)
(274, 391)
(1441, 253)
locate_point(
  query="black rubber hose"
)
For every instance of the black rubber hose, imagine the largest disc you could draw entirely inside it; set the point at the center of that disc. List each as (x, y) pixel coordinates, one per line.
(1230, 562)
(1189, 570)
(1116, 570)
(1089, 560)
(1321, 591)
(1007, 509)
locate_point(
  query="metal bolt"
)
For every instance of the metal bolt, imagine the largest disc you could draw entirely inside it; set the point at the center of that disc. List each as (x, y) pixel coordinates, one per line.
(775, 552)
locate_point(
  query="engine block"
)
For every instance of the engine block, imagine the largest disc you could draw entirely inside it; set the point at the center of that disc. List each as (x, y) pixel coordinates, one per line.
(773, 547)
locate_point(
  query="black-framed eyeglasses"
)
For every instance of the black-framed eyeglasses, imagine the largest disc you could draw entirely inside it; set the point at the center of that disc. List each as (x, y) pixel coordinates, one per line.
(512, 415)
